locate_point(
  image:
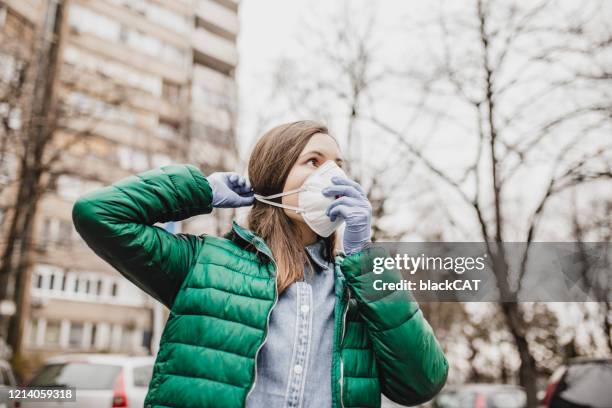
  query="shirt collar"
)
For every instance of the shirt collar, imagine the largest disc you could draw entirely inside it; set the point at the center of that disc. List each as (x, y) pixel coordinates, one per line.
(315, 250)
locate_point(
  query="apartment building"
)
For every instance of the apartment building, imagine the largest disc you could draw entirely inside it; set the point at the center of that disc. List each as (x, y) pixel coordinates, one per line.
(144, 83)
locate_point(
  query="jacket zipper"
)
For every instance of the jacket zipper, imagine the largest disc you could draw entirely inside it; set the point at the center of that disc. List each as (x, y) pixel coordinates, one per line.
(267, 319)
(341, 343)
(265, 338)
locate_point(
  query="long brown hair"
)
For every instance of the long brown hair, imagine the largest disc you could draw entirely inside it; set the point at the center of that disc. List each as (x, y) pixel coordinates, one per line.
(269, 165)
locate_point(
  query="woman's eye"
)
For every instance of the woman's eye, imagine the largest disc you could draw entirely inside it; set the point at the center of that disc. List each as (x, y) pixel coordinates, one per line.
(313, 161)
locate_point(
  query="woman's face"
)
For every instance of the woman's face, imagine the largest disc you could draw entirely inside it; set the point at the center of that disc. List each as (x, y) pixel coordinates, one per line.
(319, 149)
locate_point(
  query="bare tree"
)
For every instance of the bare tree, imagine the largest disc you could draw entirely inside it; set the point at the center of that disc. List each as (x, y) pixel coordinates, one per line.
(597, 228)
(30, 148)
(336, 79)
(523, 89)
(36, 106)
(513, 110)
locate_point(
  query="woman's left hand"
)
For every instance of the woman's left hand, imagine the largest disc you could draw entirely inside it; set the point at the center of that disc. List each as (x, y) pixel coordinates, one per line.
(354, 207)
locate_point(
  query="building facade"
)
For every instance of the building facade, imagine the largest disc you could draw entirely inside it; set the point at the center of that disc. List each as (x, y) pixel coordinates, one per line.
(142, 83)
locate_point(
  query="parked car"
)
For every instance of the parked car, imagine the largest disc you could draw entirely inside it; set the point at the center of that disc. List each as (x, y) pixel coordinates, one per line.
(580, 383)
(100, 380)
(7, 381)
(481, 396)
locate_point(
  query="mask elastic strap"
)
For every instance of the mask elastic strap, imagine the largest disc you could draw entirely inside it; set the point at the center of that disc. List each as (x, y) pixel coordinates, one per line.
(264, 199)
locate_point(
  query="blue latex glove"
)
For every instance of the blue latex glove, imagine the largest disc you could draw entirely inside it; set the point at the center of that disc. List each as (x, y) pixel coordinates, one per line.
(354, 207)
(230, 190)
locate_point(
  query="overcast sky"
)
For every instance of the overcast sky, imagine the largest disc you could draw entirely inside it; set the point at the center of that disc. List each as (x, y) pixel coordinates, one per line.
(265, 26)
(269, 30)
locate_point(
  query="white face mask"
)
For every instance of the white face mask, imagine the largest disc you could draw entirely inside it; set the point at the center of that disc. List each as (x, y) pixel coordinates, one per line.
(312, 202)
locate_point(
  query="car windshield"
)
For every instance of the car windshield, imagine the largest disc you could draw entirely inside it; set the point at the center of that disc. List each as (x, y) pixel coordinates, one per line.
(508, 399)
(447, 399)
(142, 375)
(485, 397)
(79, 375)
(586, 384)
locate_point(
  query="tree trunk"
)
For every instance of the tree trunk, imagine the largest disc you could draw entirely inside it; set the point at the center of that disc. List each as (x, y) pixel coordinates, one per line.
(607, 323)
(22, 270)
(18, 241)
(36, 138)
(528, 370)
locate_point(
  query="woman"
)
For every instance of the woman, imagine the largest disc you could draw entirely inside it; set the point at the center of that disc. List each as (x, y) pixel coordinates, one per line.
(272, 314)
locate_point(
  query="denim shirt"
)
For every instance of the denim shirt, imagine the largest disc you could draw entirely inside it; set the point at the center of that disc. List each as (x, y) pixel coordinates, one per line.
(294, 364)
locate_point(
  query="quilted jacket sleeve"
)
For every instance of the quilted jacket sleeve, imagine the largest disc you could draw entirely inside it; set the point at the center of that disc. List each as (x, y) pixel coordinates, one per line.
(412, 367)
(116, 221)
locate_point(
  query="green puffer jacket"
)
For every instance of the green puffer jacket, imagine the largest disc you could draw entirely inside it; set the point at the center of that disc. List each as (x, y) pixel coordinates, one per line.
(221, 290)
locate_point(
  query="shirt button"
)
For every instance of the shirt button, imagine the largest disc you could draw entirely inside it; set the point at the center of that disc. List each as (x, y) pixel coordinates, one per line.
(297, 369)
(304, 309)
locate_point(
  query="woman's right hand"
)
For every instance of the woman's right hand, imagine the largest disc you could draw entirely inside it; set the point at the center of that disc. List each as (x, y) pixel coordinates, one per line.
(230, 190)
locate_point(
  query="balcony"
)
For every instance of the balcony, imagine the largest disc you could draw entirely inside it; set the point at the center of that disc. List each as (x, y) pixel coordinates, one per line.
(31, 10)
(217, 18)
(214, 51)
(213, 80)
(231, 4)
(214, 117)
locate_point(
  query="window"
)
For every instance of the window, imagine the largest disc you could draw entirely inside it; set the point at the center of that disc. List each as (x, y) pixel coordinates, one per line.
(64, 232)
(2, 15)
(46, 276)
(133, 159)
(142, 375)
(171, 92)
(53, 281)
(96, 108)
(8, 64)
(144, 43)
(209, 97)
(161, 160)
(126, 338)
(8, 161)
(46, 232)
(123, 34)
(147, 336)
(82, 376)
(33, 331)
(156, 14)
(39, 281)
(75, 338)
(56, 231)
(52, 333)
(70, 187)
(59, 232)
(88, 21)
(115, 70)
(167, 129)
(94, 329)
(83, 286)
